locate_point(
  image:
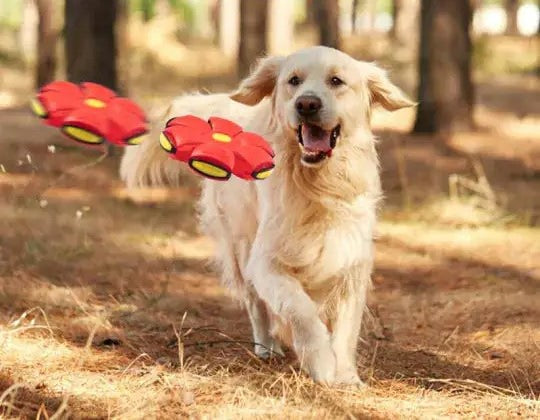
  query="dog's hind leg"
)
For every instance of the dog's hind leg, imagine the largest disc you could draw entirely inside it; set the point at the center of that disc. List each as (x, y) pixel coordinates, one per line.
(265, 345)
(231, 260)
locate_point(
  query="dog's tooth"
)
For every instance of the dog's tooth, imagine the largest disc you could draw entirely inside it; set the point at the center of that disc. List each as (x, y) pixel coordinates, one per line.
(300, 138)
(333, 137)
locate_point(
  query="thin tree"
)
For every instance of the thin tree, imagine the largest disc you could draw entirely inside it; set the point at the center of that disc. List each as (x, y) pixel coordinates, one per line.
(511, 8)
(397, 8)
(371, 12)
(46, 43)
(538, 44)
(327, 15)
(90, 41)
(405, 24)
(405, 16)
(445, 91)
(122, 46)
(354, 15)
(311, 12)
(253, 21)
(148, 8)
(228, 26)
(280, 26)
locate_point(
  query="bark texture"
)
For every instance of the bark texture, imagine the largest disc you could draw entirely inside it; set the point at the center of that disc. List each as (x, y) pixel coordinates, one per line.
(445, 91)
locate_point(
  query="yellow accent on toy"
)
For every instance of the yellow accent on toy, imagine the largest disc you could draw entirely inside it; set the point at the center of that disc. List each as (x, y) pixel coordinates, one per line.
(95, 103)
(165, 143)
(38, 108)
(135, 141)
(209, 169)
(264, 174)
(82, 135)
(224, 138)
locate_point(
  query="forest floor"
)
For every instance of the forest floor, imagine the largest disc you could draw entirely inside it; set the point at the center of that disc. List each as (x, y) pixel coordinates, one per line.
(108, 308)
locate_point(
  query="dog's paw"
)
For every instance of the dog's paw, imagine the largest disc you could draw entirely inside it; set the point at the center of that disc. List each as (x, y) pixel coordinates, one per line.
(271, 350)
(349, 378)
(321, 365)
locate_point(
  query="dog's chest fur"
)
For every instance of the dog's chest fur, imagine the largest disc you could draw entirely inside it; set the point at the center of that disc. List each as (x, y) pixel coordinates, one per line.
(317, 241)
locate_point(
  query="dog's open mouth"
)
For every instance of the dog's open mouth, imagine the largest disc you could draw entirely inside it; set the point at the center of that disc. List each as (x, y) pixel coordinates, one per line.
(316, 143)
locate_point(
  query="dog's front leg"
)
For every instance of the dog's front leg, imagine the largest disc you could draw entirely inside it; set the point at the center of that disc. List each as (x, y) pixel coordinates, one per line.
(286, 299)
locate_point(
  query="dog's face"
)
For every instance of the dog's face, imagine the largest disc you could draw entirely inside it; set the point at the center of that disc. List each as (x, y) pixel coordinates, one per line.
(321, 97)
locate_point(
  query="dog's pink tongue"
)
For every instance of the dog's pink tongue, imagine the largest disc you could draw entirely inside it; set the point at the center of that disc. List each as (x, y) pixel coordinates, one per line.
(316, 139)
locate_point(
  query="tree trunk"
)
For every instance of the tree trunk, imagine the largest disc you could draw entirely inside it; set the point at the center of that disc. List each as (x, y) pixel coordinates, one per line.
(371, 10)
(405, 17)
(445, 91)
(27, 31)
(122, 47)
(354, 12)
(90, 41)
(229, 26)
(511, 8)
(46, 44)
(397, 8)
(280, 26)
(253, 18)
(538, 43)
(311, 12)
(327, 13)
(405, 27)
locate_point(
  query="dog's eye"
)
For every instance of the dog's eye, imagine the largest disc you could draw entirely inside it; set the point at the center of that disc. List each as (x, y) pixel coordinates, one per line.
(336, 81)
(294, 81)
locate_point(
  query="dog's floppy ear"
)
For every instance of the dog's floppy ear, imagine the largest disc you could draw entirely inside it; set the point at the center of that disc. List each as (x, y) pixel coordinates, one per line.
(260, 82)
(384, 92)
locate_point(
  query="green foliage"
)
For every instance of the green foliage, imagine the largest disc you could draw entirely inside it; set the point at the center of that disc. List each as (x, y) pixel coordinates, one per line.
(185, 10)
(495, 55)
(11, 59)
(10, 13)
(147, 8)
(176, 4)
(501, 2)
(385, 6)
(299, 10)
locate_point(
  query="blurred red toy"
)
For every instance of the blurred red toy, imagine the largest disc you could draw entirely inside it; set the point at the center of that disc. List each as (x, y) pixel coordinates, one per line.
(217, 148)
(90, 113)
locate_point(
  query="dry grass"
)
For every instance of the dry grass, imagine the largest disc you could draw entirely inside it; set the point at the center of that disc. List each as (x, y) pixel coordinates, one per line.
(107, 291)
(108, 308)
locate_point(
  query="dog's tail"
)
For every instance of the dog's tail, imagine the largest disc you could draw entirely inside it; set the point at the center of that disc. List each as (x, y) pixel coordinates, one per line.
(147, 164)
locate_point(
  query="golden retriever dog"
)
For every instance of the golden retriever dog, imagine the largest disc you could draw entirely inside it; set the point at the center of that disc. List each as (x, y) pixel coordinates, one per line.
(297, 248)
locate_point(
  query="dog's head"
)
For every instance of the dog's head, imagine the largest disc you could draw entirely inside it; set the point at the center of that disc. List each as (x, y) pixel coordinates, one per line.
(321, 96)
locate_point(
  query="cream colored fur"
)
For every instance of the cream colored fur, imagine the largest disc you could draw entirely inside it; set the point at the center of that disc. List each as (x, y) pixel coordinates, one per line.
(297, 247)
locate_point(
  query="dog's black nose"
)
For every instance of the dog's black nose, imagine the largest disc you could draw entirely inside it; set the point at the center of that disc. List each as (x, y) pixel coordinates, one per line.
(308, 105)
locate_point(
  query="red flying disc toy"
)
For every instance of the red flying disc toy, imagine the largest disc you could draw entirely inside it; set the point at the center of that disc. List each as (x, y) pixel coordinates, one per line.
(90, 113)
(93, 114)
(217, 148)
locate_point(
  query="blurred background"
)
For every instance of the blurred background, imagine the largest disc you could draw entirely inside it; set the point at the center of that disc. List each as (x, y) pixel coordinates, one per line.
(95, 279)
(160, 47)
(473, 66)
